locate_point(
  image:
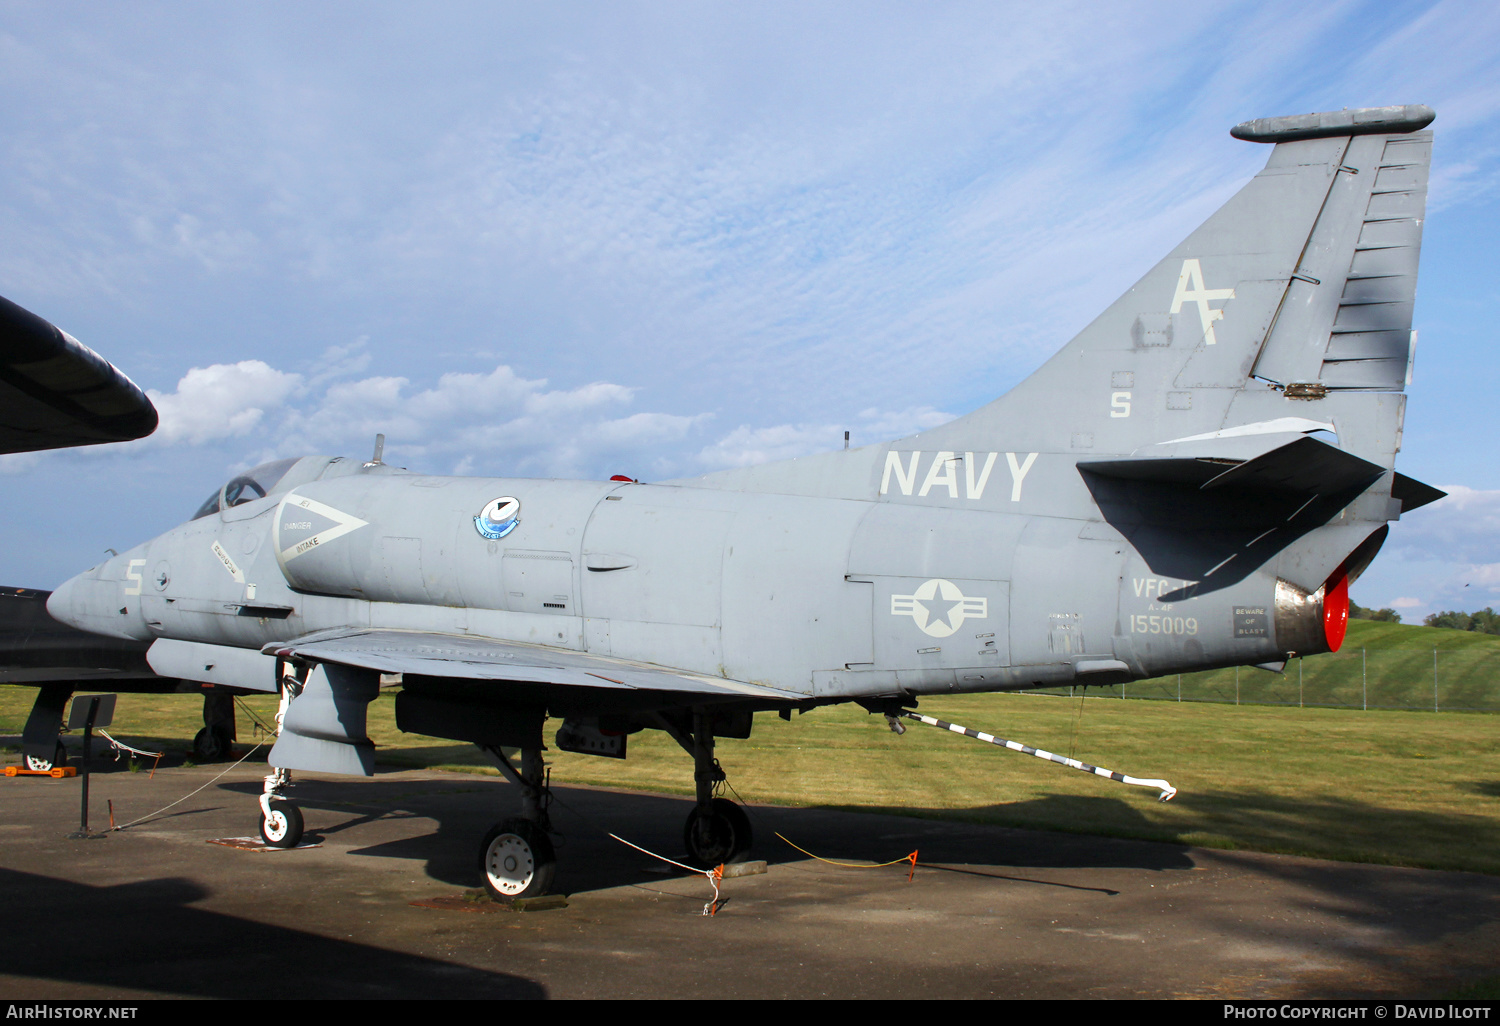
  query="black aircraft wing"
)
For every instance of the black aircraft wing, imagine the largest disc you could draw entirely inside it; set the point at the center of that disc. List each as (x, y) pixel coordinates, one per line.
(56, 392)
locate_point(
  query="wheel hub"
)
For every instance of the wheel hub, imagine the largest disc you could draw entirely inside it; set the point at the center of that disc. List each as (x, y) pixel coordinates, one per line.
(510, 864)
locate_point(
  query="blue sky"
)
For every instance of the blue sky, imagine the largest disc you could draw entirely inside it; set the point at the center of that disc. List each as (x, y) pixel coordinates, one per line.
(580, 239)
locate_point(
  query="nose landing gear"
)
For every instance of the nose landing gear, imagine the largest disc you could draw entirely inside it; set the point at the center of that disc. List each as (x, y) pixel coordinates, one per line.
(281, 824)
(280, 820)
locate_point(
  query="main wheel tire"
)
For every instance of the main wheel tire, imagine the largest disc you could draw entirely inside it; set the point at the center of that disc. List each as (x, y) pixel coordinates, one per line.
(719, 835)
(211, 744)
(40, 765)
(516, 860)
(283, 827)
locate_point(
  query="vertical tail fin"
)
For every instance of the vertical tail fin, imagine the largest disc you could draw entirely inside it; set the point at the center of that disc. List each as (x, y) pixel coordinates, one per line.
(1345, 318)
(1299, 288)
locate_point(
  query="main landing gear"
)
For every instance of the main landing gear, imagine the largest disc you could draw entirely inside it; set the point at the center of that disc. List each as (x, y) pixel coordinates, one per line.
(717, 830)
(216, 740)
(516, 859)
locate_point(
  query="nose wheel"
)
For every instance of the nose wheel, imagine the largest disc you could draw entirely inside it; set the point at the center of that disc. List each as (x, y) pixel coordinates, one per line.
(280, 819)
(516, 860)
(281, 824)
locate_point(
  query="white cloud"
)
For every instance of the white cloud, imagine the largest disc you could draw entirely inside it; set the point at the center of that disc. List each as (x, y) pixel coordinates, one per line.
(220, 401)
(496, 422)
(1442, 556)
(1464, 527)
(747, 447)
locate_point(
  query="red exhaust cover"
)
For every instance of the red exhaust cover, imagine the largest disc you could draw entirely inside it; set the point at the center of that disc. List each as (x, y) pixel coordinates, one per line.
(1336, 613)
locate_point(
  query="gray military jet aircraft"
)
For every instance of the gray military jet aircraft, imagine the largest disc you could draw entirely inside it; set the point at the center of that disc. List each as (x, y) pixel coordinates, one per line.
(1192, 482)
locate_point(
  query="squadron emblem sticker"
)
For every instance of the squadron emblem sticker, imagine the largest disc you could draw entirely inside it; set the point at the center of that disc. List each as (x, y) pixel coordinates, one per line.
(939, 607)
(499, 517)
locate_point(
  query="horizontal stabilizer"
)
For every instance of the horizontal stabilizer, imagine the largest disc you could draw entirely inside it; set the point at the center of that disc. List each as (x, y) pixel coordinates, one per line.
(471, 658)
(1413, 494)
(1280, 461)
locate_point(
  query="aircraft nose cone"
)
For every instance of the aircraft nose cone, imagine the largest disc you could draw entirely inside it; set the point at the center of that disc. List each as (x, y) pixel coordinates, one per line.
(60, 602)
(94, 602)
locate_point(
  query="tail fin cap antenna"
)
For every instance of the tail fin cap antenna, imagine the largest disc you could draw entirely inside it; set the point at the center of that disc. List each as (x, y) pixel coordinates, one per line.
(1410, 117)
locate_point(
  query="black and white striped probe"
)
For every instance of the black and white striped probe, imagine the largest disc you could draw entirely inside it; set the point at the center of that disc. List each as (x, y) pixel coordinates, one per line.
(1167, 790)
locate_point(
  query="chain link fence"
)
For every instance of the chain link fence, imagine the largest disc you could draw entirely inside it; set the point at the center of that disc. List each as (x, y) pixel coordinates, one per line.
(1355, 678)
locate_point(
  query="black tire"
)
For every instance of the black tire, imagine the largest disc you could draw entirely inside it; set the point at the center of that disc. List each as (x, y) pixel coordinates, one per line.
(516, 860)
(284, 827)
(718, 836)
(211, 744)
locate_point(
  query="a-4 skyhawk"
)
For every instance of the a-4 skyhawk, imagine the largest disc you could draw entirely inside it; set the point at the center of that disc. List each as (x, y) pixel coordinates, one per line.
(1191, 482)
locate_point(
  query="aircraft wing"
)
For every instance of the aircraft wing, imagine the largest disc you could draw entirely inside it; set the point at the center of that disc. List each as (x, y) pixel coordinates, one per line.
(478, 659)
(55, 391)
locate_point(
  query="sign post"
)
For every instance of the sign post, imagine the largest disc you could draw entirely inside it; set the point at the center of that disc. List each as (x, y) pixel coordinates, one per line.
(88, 712)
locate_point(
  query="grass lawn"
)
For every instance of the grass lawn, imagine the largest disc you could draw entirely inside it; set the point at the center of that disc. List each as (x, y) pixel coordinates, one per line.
(1382, 665)
(1401, 788)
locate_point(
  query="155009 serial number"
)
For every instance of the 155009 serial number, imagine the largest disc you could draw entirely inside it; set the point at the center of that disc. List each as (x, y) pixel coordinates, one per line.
(1142, 623)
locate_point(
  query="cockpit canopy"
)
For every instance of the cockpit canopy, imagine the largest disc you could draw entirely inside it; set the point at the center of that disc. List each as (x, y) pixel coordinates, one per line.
(268, 478)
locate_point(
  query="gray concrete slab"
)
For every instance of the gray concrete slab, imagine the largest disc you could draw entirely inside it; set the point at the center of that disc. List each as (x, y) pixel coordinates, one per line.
(155, 910)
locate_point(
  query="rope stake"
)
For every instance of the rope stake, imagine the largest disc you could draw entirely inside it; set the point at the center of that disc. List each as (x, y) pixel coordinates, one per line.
(1167, 790)
(714, 875)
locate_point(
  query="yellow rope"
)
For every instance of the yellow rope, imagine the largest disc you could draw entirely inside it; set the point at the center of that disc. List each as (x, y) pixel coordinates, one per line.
(848, 865)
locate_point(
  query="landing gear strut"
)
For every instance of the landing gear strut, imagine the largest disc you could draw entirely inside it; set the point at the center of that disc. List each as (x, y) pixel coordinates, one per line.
(39, 739)
(216, 740)
(717, 830)
(280, 819)
(516, 859)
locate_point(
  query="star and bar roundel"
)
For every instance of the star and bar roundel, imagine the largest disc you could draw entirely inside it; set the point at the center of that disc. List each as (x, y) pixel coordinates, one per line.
(940, 607)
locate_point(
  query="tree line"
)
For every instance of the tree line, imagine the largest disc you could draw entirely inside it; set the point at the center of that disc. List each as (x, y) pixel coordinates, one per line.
(1482, 621)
